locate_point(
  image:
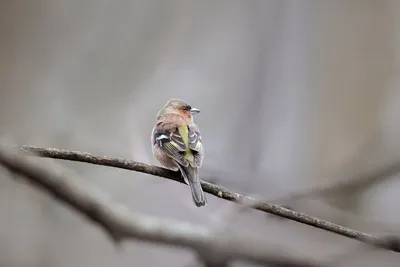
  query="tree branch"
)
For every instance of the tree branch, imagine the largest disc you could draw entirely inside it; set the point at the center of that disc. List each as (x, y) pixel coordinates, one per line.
(216, 191)
(349, 185)
(121, 224)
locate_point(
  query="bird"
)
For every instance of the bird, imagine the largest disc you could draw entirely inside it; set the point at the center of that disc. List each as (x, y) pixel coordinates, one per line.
(177, 144)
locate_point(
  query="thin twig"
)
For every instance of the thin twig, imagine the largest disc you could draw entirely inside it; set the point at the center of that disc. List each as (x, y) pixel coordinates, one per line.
(122, 224)
(216, 191)
(347, 185)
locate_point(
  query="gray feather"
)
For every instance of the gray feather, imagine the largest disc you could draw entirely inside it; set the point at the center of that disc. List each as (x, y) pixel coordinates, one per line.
(190, 175)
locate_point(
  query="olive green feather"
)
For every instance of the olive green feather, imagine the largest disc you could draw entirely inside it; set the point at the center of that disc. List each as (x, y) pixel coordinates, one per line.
(188, 154)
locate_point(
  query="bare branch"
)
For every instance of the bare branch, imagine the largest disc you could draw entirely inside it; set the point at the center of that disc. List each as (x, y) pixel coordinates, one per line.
(216, 191)
(348, 185)
(122, 224)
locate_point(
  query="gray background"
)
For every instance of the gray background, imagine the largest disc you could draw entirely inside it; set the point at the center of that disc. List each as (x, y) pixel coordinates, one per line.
(294, 95)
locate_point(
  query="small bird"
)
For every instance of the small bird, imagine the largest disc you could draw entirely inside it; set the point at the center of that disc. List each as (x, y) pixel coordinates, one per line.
(177, 144)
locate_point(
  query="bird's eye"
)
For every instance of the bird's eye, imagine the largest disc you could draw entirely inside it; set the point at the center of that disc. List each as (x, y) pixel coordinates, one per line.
(187, 108)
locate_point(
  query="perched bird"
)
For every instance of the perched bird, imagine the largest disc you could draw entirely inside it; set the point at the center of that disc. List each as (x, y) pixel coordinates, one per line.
(177, 144)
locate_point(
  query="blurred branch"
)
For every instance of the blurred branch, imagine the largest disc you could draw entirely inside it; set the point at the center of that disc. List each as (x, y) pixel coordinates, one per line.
(216, 191)
(354, 179)
(349, 185)
(121, 224)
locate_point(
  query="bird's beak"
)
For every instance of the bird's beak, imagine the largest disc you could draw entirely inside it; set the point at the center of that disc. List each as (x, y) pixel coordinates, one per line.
(194, 111)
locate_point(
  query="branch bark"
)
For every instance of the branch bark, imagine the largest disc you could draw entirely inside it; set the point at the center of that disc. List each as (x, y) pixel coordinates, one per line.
(122, 224)
(386, 243)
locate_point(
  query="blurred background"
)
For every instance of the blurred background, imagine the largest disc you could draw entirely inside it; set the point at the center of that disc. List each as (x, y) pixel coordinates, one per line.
(299, 99)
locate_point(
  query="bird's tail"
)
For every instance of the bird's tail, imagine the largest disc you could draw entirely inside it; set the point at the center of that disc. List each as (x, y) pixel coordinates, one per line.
(190, 175)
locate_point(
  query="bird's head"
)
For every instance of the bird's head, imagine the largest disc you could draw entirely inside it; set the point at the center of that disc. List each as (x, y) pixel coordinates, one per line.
(176, 106)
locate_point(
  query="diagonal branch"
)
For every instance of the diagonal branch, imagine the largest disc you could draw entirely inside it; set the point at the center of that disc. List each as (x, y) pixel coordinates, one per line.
(122, 224)
(216, 191)
(386, 171)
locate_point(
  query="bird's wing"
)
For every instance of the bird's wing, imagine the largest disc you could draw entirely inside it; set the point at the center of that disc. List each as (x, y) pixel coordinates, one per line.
(166, 137)
(196, 144)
